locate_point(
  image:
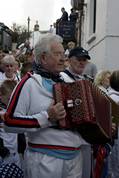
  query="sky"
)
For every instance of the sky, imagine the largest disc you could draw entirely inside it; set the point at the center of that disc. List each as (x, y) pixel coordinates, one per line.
(44, 11)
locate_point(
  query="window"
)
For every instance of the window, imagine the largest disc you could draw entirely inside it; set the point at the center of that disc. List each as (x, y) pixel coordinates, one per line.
(92, 19)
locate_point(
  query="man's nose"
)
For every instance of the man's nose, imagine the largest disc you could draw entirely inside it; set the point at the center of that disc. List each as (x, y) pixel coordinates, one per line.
(62, 57)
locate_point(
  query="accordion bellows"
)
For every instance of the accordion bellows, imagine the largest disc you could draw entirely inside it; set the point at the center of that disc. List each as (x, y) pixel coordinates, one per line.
(88, 110)
(10, 170)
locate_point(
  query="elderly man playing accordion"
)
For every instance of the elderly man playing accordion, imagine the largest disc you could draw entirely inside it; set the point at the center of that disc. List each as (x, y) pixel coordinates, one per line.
(52, 152)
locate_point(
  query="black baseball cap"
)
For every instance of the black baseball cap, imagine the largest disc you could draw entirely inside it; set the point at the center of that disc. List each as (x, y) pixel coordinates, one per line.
(79, 52)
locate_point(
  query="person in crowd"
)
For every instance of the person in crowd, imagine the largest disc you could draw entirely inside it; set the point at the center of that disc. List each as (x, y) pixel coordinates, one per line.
(18, 69)
(62, 20)
(29, 56)
(52, 152)
(73, 15)
(90, 70)
(70, 46)
(9, 66)
(54, 28)
(114, 157)
(78, 57)
(64, 16)
(51, 29)
(102, 80)
(2, 54)
(9, 147)
(26, 67)
(23, 49)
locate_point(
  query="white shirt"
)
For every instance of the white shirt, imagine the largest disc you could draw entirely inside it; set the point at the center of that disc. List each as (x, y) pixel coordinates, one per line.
(3, 78)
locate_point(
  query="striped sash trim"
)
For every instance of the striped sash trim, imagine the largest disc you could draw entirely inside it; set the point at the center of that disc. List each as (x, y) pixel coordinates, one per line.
(19, 121)
(57, 147)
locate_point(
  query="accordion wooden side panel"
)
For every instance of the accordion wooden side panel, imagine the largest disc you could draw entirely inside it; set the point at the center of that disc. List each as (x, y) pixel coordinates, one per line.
(88, 110)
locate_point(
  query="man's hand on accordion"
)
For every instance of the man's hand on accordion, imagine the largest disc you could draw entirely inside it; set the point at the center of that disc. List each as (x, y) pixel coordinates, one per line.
(56, 112)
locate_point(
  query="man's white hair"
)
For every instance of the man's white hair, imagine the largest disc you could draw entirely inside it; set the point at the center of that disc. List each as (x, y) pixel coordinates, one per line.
(44, 45)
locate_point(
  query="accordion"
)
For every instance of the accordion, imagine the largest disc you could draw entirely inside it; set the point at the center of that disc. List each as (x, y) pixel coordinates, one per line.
(88, 110)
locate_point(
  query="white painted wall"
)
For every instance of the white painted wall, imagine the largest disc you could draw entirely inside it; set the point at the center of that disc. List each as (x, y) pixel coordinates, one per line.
(103, 46)
(112, 53)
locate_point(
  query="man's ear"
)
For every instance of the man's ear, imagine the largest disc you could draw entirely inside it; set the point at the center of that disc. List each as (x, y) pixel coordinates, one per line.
(43, 58)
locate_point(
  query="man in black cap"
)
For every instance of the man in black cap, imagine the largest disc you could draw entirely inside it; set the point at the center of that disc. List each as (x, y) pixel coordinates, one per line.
(90, 69)
(78, 57)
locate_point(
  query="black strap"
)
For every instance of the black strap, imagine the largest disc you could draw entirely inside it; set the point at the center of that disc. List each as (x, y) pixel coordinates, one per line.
(69, 74)
(1, 142)
(113, 93)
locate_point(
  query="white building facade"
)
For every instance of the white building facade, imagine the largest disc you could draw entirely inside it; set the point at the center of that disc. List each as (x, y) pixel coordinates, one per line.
(100, 32)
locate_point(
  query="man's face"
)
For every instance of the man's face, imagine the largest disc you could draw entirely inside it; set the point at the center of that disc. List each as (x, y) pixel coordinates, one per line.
(77, 66)
(62, 10)
(54, 60)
